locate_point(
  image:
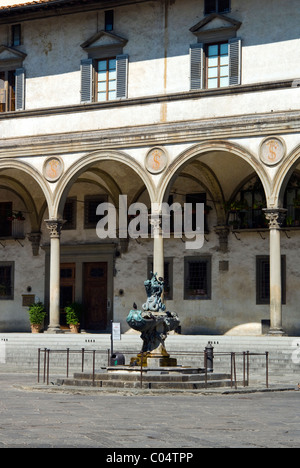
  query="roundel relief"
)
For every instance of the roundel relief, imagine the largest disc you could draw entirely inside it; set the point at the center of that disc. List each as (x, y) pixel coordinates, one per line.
(272, 151)
(156, 160)
(53, 169)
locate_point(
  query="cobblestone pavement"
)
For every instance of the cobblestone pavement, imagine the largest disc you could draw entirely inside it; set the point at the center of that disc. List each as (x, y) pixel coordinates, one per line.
(45, 418)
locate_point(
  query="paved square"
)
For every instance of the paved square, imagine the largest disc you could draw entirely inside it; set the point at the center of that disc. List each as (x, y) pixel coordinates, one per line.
(33, 418)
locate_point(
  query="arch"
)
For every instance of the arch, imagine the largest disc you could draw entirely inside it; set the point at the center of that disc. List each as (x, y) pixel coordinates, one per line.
(206, 147)
(21, 192)
(86, 162)
(8, 164)
(283, 176)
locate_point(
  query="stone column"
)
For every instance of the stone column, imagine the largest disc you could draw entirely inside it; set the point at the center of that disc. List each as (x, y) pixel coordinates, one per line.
(54, 226)
(158, 245)
(275, 216)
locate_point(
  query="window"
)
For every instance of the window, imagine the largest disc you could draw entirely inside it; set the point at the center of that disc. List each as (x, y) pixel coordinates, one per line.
(12, 87)
(246, 210)
(263, 279)
(7, 91)
(195, 198)
(292, 201)
(90, 207)
(16, 35)
(197, 278)
(109, 20)
(69, 216)
(217, 65)
(106, 80)
(109, 76)
(6, 219)
(216, 6)
(168, 276)
(6, 280)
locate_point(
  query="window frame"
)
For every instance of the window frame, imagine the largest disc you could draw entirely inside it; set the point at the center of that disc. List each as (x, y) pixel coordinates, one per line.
(198, 259)
(72, 223)
(10, 265)
(206, 68)
(96, 81)
(95, 199)
(9, 80)
(260, 300)
(109, 20)
(8, 207)
(16, 35)
(216, 9)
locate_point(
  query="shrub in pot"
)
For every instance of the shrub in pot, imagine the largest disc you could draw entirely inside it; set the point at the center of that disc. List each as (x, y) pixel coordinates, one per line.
(37, 314)
(73, 316)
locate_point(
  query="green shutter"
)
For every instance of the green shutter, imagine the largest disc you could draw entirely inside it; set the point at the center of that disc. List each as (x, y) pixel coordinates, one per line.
(235, 53)
(122, 76)
(20, 89)
(86, 80)
(196, 61)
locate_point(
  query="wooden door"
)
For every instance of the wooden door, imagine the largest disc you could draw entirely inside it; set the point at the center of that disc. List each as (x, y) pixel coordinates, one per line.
(95, 295)
(67, 289)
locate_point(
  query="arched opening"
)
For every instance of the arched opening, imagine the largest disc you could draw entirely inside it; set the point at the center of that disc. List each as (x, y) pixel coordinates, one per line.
(23, 197)
(98, 271)
(211, 283)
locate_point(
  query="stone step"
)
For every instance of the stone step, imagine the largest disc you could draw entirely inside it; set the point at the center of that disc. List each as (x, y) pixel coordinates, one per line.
(149, 377)
(148, 384)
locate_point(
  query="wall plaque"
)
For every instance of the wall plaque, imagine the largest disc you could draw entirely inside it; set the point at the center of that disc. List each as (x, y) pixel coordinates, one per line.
(27, 300)
(272, 151)
(53, 169)
(156, 160)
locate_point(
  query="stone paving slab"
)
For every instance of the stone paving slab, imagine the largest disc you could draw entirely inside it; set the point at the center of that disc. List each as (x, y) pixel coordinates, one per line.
(34, 416)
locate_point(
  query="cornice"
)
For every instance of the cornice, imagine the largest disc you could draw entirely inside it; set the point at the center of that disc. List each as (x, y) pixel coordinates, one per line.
(193, 131)
(37, 10)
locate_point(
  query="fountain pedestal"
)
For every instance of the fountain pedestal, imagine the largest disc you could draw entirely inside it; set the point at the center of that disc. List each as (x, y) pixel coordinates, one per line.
(154, 323)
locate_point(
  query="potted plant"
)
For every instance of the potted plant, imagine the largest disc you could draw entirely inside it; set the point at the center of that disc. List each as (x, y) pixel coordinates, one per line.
(37, 314)
(73, 316)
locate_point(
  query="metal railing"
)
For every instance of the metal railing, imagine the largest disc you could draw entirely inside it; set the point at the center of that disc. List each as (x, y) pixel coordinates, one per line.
(246, 355)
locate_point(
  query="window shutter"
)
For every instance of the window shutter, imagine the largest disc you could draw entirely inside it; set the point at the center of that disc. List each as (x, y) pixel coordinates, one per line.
(86, 80)
(235, 49)
(20, 89)
(196, 59)
(122, 75)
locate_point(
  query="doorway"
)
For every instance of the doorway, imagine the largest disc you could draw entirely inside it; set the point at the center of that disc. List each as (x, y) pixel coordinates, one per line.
(67, 289)
(95, 295)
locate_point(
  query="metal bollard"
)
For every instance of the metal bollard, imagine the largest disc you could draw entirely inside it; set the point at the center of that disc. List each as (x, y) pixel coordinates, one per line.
(209, 349)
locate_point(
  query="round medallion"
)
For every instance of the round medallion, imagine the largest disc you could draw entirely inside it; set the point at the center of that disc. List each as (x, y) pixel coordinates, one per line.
(272, 151)
(53, 169)
(156, 160)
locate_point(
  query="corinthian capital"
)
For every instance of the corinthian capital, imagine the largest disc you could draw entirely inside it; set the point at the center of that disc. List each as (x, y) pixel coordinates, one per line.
(55, 227)
(275, 216)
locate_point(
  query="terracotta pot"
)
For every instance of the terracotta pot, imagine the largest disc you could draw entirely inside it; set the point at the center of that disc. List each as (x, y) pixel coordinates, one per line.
(74, 328)
(35, 328)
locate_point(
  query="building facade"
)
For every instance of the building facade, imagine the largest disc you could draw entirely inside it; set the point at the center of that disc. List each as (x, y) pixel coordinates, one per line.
(151, 101)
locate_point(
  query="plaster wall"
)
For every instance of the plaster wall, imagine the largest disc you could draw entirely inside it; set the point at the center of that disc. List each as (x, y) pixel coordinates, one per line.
(158, 48)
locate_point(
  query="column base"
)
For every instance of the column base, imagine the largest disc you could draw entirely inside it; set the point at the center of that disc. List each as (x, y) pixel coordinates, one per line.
(276, 332)
(54, 330)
